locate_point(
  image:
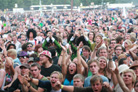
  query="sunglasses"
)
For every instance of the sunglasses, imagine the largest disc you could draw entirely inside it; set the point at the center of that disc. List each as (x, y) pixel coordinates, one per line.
(23, 57)
(29, 46)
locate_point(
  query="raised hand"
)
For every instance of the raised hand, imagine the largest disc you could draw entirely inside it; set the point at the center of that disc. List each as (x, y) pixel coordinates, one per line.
(57, 85)
(80, 45)
(70, 51)
(110, 53)
(116, 71)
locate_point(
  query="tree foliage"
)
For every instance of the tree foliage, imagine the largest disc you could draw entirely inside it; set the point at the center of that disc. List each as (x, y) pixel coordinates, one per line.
(4, 4)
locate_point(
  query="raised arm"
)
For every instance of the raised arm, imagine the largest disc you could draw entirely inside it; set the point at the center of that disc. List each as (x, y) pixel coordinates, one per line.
(79, 70)
(120, 81)
(63, 64)
(85, 70)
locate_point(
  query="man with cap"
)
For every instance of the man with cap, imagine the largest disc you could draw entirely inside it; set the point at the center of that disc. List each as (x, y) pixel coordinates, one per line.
(31, 60)
(35, 70)
(47, 65)
(16, 85)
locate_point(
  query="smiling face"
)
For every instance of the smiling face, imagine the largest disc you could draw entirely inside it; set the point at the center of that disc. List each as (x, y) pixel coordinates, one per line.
(102, 63)
(72, 68)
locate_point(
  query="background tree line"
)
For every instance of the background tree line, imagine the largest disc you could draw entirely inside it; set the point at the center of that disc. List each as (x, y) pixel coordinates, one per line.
(26, 3)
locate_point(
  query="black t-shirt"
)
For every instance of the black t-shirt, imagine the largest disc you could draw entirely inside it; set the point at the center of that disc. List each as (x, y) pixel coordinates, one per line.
(15, 85)
(87, 89)
(47, 71)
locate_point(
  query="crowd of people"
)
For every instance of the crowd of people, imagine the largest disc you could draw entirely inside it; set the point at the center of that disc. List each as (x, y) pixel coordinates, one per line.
(87, 51)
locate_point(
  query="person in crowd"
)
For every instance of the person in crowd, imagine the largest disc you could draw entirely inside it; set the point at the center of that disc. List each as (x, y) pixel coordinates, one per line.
(69, 69)
(16, 85)
(47, 64)
(118, 50)
(38, 49)
(78, 80)
(127, 81)
(49, 85)
(97, 85)
(30, 48)
(94, 68)
(2, 75)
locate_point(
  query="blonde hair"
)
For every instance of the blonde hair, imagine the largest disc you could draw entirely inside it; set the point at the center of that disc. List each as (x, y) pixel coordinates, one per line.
(133, 74)
(1, 64)
(12, 52)
(59, 75)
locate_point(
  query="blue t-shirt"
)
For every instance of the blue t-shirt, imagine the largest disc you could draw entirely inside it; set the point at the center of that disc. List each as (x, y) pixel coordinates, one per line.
(87, 80)
(67, 82)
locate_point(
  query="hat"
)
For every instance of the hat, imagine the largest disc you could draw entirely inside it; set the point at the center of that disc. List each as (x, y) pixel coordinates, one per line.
(122, 68)
(25, 65)
(134, 64)
(47, 53)
(23, 53)
(31, 59)
(33, 31)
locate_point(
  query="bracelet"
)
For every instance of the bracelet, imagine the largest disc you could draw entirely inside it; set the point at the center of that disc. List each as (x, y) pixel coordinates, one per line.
(61, 86)
(30, 80)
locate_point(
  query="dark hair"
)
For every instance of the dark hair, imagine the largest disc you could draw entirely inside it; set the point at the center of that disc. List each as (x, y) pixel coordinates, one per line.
(86, 48)
(69, 76)
(24, 47)
(93, 34)
(35, 64)
(135, 83)
(121, 61)
(96, 78)
(37, 47)
(33, 55)
(112, 40)
(92, 61)
(33, 31)
(119, 46)
(118, 39)
(11, 45)
(29, 43)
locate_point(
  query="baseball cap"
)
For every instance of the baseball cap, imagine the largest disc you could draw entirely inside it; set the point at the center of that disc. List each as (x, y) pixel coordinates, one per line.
(25, 65)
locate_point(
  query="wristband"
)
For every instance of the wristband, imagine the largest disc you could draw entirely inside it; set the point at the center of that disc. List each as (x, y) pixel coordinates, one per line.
(61, 86)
